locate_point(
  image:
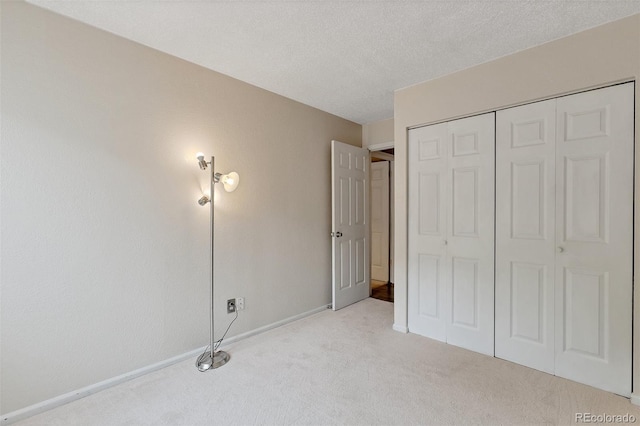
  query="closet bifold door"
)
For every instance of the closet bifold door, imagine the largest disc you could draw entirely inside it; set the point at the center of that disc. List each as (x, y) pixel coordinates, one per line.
(564, 236)
(525, 234)
(594, 237)
(428, 263)
(471, 235)
(451, 232)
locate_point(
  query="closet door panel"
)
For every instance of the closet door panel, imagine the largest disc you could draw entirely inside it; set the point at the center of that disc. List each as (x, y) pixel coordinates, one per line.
(428, 263)
(525, 234)
(594, 233)
(470, 244)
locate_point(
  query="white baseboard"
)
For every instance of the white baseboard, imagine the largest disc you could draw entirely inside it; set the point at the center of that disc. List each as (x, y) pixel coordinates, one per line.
(48, 404)
(66, 398)
(272, 326)
(635, 399)
(400, 328)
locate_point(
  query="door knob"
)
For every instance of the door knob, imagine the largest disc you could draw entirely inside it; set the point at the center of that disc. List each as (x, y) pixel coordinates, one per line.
(338, 234)
(560, 249)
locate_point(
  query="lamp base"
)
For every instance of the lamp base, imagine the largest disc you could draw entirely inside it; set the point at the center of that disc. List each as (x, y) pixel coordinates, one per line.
(205, 362)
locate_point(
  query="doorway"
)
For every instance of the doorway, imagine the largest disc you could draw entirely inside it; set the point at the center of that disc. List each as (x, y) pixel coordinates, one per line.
(382, 164)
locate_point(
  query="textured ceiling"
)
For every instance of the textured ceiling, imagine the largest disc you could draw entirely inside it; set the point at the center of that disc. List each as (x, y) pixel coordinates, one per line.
(344, 57)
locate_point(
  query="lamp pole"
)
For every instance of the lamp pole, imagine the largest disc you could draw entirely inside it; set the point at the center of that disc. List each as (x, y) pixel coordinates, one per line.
(212, 249)
(211, 359)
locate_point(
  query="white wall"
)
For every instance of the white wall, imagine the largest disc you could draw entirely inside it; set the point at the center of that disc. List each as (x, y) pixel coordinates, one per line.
(104, 250)
(377, 132)
(603, 55)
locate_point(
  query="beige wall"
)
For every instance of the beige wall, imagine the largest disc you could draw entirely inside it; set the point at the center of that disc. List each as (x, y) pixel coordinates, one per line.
(104, 250)
(593, 58)
(378, 132)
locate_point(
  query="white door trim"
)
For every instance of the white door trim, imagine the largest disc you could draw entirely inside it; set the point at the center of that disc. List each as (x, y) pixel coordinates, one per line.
(381, 146)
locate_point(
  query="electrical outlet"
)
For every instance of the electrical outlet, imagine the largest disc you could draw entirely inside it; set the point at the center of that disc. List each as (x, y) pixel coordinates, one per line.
(240, 303)
(231, 306)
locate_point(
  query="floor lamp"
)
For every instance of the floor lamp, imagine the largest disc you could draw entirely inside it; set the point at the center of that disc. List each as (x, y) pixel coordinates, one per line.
(212, 358)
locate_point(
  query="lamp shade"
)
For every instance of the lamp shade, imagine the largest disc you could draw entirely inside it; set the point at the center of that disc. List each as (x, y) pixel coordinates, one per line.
(230, 181)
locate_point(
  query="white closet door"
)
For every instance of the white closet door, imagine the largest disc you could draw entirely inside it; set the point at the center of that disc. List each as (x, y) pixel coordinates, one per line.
(451, 232)
(594, 208)
(470, 242)
(525, 234)
(428, 264)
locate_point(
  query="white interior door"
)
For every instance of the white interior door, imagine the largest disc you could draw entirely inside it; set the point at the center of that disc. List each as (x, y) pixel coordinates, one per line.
(380, 221)
(350, 223)
(594, 237)
(451, 232)
(525, 234)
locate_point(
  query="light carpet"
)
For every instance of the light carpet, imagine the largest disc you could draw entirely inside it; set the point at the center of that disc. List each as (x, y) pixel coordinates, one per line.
(342, 368)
